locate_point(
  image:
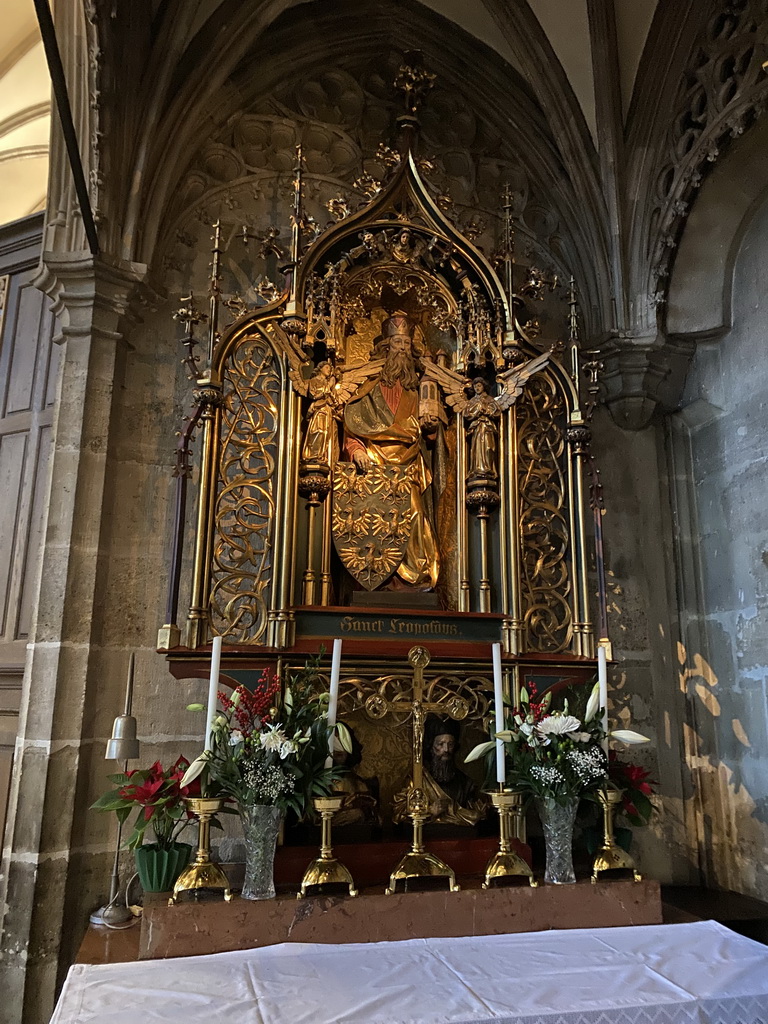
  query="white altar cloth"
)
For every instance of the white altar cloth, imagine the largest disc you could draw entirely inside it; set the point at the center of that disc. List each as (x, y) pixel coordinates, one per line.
(699, 973)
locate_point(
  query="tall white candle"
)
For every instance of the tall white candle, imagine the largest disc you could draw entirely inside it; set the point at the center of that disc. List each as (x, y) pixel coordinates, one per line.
(333, 701)
(498, 700)
(213, 691)
(602, 683)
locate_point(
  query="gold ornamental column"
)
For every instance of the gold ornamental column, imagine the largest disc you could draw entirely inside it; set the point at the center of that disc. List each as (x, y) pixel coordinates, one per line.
(515, 628)
(208, 392)
(578, 437)
(280, 619)
(462, 533)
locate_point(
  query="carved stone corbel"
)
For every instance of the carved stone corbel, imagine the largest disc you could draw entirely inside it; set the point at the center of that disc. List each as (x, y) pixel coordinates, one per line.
(643, 374)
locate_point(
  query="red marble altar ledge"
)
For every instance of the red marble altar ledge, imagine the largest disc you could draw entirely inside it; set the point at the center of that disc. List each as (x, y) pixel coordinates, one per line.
(196, 928)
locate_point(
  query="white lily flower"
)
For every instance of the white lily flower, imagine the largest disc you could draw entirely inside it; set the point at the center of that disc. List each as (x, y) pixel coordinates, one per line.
(344, 736)
(478, 751)
(235, 737)
(593, 705)
(532, 737)
(628, 736)
(287, 748)
(194, 769)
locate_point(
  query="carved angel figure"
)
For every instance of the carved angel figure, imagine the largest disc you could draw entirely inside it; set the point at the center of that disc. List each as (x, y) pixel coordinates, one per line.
(481, 410)
(329, 392)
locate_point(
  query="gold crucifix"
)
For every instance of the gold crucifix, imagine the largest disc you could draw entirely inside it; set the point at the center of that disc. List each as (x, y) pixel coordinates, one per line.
(418, 862)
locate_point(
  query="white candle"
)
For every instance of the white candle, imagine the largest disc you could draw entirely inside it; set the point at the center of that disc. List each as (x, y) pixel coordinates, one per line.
(602, 683)
(213, 691)
(333, 700)
(498, 700)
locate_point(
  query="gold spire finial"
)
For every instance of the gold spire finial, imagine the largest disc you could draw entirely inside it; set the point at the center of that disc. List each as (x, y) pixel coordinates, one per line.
(414, 82)
(297, 223)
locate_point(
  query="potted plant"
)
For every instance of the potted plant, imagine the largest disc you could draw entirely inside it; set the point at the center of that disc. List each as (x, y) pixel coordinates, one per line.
(157, 795)
(636, 787)
(268, 753)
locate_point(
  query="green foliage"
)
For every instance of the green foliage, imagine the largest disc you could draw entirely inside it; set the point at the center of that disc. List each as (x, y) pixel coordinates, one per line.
(157, 795)
(271, 748)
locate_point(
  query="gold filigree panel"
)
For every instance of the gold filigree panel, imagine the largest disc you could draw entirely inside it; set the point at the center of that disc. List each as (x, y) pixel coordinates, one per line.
(543, 524)
(369, 707)
(245, 504)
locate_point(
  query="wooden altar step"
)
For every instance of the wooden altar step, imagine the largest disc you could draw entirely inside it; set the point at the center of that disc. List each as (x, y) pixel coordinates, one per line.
(191, 929)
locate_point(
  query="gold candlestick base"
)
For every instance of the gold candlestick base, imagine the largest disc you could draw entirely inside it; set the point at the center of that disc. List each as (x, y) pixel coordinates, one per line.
(417, 862)
(506, 864)
(611, 857)
(202, 875)
(326, 869)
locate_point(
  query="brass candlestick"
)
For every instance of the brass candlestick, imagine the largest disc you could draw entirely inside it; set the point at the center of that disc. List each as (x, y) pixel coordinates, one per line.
(417, 862)
(326, 869)
(202, 874)
(611, 857)
(506, 863)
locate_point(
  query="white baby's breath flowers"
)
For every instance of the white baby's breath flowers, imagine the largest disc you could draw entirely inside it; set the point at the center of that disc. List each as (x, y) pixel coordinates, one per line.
(547, 775)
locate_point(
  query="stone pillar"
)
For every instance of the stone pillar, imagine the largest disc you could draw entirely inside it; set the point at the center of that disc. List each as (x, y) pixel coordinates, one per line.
(61, 682)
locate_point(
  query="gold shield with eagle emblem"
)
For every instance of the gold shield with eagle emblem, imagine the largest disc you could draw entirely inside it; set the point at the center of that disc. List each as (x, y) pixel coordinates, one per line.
(371, 520)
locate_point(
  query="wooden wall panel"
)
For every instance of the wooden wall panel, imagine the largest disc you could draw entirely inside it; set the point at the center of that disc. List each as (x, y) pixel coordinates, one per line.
(13, 450)
(29, 365)
(22, 333)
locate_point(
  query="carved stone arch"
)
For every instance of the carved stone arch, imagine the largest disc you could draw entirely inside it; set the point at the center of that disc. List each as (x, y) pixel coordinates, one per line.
(701, 285)
(497, 89)
(710, 77)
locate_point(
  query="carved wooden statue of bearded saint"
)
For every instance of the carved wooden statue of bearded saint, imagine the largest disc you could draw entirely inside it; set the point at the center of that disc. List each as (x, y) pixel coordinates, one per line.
(383, 427)
(452, 797)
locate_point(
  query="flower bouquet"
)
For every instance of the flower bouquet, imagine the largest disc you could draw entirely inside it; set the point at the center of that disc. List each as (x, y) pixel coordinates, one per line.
(555, 758)
(157, 795)
(268, 754)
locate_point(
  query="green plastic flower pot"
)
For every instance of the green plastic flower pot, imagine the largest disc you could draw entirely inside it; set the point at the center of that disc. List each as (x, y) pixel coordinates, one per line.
(158, 868)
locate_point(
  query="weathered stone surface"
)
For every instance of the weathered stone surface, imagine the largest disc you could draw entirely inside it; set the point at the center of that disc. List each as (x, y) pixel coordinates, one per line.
(720, 492)
(196, 929)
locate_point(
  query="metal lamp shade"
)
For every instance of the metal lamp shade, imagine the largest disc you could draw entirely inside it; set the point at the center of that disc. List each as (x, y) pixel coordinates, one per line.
(123, 746)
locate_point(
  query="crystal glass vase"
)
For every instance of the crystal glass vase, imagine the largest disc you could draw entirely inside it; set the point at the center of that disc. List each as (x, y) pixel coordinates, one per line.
(557, 820)
(261, 823)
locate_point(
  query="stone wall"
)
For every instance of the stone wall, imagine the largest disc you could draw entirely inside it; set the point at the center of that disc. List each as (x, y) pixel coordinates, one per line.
(718, 440)
(642, 610)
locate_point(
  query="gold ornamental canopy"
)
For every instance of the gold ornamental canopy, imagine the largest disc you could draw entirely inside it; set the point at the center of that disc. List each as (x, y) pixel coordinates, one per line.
(386, 434)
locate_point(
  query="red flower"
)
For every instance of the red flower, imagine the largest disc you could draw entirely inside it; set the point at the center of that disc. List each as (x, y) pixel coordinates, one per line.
(146, 793)
(179, 768)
